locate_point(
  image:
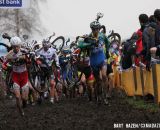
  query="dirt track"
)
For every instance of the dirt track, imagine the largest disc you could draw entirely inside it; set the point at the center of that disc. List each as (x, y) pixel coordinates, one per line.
(73, 114)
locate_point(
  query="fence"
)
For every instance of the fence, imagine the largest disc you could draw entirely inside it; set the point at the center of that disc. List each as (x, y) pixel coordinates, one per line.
(139, 82)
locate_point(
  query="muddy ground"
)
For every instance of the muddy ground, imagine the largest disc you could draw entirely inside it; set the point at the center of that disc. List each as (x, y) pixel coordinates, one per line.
(73, 114)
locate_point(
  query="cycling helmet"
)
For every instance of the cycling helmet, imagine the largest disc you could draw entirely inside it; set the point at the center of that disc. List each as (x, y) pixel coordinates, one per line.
(37, 46)
(15, 41)
(95, 25)
(46, 43)
(66, 49)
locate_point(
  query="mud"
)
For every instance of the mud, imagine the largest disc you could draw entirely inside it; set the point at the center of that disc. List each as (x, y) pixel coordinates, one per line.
(73, 114)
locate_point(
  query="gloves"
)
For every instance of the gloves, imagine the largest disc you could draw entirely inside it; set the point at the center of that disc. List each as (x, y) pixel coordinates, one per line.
(4, 67)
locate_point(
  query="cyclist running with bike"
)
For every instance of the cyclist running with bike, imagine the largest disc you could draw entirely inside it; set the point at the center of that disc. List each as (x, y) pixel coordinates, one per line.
(98, 57)
(50, 56)
(17, 58)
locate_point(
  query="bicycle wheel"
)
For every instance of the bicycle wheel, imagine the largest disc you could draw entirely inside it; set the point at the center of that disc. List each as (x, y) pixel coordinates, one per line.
(58, 43)
(71, 74)
(35, 74)
(73, 45)
(4, 49)
(9, 82)
(103, 29)
(73, 77)
(115, 37)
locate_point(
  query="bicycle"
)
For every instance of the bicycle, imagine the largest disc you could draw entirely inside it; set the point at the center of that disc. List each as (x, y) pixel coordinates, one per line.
(57, 43)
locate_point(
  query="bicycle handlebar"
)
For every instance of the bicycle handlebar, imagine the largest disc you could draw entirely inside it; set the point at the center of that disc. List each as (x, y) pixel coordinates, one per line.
(99, 15)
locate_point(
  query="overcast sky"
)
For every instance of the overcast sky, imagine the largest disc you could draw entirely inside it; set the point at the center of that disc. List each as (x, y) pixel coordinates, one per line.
(72, 17)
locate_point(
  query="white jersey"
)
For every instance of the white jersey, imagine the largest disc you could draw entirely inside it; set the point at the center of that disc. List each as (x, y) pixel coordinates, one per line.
(50, 55)
(18, 66)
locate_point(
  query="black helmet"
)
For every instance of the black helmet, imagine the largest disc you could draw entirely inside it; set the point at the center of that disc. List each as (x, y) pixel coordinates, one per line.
(95, 25)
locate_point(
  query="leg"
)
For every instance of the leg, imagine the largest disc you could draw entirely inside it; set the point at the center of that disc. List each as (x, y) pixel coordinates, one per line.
(90, 84)
(34, 93)
(82, 86)
(110, 76)
(104, 78)
(53, 92)
(98, 86)
(104, 83)
(16, 91)
(90, 90)
(25, 92)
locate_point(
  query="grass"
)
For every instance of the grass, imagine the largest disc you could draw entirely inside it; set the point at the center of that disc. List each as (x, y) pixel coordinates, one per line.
(141, 104)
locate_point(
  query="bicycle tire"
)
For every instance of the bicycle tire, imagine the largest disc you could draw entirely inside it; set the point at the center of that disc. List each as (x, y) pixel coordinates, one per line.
(114, 35)
(6, 46)
(33, 74)
(103, 29)
(62, 44)
(9, 82)
(35, 86)
(75, 81)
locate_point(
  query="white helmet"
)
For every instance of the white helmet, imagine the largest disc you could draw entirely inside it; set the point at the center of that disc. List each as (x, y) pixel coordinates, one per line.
(37, 46)
(15, 41)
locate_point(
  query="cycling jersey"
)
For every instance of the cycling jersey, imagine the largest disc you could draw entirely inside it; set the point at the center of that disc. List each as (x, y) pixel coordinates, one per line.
(49, 56)
(98, 53)
(63, 60)
(17, 60)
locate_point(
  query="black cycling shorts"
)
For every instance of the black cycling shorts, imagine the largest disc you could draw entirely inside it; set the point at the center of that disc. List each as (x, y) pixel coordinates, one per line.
(109, 69)
(87, 71)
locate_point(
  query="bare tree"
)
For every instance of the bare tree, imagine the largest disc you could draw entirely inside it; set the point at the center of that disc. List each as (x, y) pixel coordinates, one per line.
(21, 21)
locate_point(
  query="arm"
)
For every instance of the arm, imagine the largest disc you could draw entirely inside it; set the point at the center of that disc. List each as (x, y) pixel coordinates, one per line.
(56, 58)
(146, 45)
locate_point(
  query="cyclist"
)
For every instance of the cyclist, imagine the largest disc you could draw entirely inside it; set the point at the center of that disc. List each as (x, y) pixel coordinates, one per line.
(64, 60)
(49, 54)
(113, 60)
(98, 56)
(86, 73)
(19, 72)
